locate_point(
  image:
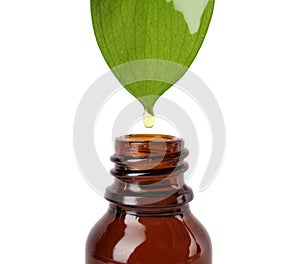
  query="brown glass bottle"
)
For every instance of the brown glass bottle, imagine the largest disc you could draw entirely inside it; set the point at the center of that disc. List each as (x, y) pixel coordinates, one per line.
(149, 220)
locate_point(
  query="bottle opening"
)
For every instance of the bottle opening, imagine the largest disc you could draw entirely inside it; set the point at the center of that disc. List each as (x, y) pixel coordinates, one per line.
(145, 145)
(147, 137)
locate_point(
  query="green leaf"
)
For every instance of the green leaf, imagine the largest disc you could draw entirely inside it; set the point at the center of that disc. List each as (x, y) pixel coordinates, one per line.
(133, 30)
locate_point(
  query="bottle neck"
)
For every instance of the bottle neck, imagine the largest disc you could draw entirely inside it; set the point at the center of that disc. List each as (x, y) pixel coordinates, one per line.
(149, 174)
(119, 210)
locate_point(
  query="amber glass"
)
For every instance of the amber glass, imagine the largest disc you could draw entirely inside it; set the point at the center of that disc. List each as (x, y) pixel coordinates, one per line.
(149, 220)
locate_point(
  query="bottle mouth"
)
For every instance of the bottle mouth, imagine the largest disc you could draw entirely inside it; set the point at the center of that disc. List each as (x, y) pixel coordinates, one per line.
(146, 137)
(145, 145)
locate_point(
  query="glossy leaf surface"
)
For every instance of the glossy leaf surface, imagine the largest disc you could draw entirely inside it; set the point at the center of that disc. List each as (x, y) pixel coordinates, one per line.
(131, 30)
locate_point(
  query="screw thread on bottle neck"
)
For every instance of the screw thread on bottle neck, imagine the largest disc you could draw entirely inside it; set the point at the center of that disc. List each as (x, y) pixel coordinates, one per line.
(149, 172)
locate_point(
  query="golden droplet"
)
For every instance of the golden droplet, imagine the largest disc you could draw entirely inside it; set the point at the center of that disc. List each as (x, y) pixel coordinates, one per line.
(148, 120)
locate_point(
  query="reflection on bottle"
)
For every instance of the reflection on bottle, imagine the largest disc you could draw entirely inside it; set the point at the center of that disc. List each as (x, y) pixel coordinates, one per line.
(134, 236)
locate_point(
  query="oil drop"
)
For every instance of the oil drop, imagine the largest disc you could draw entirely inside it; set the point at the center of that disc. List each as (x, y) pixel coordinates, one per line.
(148, 119)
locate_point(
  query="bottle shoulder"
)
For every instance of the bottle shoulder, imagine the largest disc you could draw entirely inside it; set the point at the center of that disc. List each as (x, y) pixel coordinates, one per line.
(130, 238)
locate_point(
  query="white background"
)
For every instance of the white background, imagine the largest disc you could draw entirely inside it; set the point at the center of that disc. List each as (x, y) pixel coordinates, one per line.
(250, 60)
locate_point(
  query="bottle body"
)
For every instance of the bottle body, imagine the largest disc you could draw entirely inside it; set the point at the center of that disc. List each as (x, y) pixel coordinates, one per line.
(126, 236)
